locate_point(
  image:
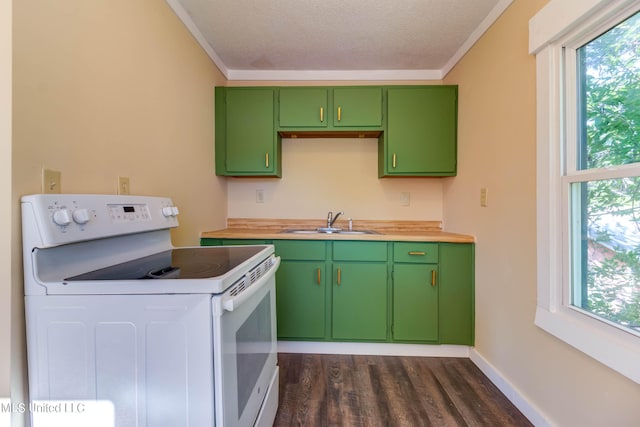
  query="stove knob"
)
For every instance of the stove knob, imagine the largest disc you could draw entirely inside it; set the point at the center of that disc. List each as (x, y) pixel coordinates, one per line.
(81, 216)
(167, 211)
(62, 217)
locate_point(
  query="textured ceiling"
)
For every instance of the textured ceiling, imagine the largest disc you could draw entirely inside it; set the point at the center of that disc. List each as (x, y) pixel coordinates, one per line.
(305, 39)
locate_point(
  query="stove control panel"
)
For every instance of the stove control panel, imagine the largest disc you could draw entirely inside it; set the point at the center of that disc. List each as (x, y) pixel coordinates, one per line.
(55, 219)
(129, 213)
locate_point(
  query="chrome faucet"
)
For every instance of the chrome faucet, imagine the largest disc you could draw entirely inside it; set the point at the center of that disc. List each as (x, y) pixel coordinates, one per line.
(331, 219)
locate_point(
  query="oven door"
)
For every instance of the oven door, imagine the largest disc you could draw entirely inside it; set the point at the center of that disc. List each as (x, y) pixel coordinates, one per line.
(245, 351)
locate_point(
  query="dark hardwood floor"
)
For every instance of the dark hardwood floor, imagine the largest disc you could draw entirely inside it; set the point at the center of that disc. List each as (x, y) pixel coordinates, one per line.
(345, 390)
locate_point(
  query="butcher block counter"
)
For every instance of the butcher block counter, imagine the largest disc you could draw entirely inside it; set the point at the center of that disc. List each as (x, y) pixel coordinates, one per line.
(383, 230)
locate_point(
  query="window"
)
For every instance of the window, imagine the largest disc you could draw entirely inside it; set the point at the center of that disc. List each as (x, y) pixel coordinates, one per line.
(588, 90)
(605, 210)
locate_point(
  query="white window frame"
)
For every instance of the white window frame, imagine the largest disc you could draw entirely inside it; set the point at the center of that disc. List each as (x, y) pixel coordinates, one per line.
(554, 34)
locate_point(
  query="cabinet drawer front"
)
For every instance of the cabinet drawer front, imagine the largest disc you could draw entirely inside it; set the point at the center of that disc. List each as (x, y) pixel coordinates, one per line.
(300, 249)
(359, 251)
(415, 252)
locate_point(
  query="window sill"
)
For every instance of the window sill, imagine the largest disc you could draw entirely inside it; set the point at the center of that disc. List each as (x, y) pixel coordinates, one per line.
(610, 346)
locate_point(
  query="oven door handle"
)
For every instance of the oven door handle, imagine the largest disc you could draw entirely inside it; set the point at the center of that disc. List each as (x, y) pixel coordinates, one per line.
(235, 302)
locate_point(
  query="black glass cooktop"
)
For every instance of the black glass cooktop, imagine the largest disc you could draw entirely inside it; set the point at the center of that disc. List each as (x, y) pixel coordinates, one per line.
(181, 263)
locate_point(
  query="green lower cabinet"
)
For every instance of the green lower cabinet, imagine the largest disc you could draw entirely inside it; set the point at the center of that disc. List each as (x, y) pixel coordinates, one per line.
(240, 242)
(341, 291)
(231, 242)
(359, 302)
(301, 290)
(300, 299)
(210, 242)
(415, 302)
(456, 293)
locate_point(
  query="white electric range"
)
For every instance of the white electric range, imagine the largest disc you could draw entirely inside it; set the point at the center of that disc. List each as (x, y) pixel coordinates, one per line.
(170, 336)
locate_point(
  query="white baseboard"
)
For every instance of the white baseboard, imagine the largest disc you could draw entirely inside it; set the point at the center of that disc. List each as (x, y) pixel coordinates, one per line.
(379, 349)
(529, 410)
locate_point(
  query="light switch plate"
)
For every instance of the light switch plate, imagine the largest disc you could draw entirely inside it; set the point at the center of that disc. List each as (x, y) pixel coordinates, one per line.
(123, 185)
(484, 197)
(51, 181)
(259, 196)
(405, 198)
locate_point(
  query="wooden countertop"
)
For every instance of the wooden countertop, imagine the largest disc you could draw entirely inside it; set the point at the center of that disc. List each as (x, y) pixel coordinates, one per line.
(272, 229)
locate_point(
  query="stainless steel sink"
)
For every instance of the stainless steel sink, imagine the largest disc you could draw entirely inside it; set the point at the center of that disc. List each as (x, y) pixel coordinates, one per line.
(327, 230)
(300, 231)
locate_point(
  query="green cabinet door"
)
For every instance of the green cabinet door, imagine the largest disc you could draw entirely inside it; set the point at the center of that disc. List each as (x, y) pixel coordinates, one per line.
(246, 141)
(421, 133)
(415, 302)
(300, 299)
(456, 287)
(359, 310)
(357, 107)
(304, 107)
(301, 290)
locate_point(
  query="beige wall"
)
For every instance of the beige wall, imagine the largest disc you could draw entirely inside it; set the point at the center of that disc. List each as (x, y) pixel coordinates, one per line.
(497, 137)
(321, 175)
(105, 88)
(114, 87)
(5, 196)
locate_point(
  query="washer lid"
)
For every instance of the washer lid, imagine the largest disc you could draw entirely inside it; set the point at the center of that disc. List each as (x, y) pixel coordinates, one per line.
(179, 263)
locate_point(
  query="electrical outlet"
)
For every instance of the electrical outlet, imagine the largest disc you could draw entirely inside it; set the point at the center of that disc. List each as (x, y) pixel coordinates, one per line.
(260, 196)
(484, 197)
(405, 198)
(123, 185)
(51, 181)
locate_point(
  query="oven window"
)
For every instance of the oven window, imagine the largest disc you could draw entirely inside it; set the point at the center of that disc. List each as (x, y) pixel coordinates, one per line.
(253, 345)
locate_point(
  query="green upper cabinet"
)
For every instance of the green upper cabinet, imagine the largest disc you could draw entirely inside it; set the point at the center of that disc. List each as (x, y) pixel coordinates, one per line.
(357, 107)
(303, 107)
(416, 126)
(421, 132)
(247, 143)
(330, 109)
